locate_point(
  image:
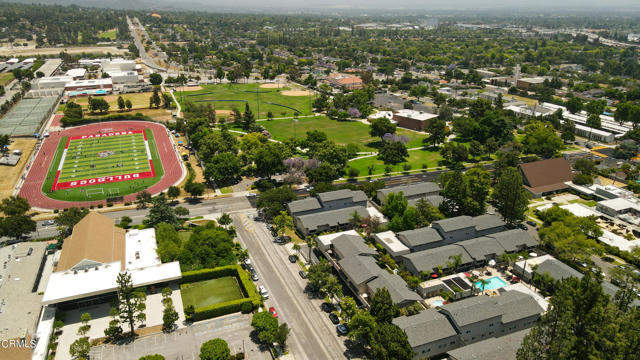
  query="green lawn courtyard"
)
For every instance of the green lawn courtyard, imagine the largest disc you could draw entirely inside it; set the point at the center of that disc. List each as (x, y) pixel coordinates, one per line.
(341, 132)
(229, 96)
(417, 159)
(210, 292)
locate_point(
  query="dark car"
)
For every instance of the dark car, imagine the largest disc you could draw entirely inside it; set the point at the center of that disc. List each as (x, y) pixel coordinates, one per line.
(303, 274)
(532, 223)
(293, 258)
(326, 307)
(524, 227)
(342, 329)
(334, 318)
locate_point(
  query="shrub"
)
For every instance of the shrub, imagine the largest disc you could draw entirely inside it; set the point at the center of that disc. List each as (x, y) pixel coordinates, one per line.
(91, 207)
(55, 211)
(127, 203)
(246, 307)
(69, 121)
(109, 204)
(216, 310)
(100, 206)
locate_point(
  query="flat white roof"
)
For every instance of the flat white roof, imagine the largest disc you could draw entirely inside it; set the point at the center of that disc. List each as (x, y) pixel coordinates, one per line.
(619, 204)
(578, 210)
(618, 241)
(325, 240)
(122, 73)
(90, 82)
(76, 72)
(389, 240)
(415, 114)
(55, 79)
(141, 249)
(67, 285)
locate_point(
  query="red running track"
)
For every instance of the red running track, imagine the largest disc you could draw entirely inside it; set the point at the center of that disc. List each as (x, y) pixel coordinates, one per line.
(32, 186)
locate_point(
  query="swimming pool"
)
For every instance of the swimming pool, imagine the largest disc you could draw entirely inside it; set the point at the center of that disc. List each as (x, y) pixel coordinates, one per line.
(494, 283)
(437, 303)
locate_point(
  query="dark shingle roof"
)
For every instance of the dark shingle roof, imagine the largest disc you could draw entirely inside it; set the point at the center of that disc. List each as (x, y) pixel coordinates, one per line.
(412, 189)
(307, 204)
(428, 260)
(426, 327)
(509, 306)
(417, 237)
(330, 217)
(396, 286)
(455, 223)
(498, 348)
(360, 268)
(351, 245)
(487, 221)
(342, 194)
(512, 239)
(480, 247)
(557, 269)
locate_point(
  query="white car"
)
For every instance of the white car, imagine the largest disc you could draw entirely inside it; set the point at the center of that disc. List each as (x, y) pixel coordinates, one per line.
(247, 261)
(263, 291)
(48, 223)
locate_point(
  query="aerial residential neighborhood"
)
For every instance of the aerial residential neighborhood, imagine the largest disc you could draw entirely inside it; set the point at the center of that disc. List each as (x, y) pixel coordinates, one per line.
(319, 180)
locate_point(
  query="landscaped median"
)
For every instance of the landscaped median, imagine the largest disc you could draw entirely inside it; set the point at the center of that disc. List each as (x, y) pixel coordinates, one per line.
(211, 292)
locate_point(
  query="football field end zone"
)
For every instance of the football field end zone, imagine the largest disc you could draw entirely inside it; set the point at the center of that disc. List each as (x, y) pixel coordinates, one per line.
(104, 179)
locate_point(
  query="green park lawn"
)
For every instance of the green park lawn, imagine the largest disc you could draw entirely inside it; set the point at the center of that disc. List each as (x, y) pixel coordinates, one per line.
(110, 34)
(5, 78)
(417, 159)
(230, 96)
(84, 170)
(341, 132)
(209, 292)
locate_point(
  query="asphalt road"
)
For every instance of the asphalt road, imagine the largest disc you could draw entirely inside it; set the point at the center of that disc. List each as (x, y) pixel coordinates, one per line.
(312, 335)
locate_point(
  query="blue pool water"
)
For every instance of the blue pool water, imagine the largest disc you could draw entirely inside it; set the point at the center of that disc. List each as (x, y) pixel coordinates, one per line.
(437, 303)
(494, 283)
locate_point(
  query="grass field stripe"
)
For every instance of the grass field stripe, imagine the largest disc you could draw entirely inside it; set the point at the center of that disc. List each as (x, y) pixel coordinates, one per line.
(64, 155)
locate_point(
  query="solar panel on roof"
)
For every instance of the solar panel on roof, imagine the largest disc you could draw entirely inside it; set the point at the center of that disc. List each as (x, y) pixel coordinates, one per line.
(461, 283)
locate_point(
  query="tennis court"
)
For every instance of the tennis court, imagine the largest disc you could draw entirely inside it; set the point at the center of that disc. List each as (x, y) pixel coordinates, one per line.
(26, 117)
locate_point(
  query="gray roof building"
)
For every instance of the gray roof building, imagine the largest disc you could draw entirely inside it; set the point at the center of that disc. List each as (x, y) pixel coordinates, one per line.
(355, 196)
(303, 205)
(514, 240)
(486, 221)
(557, 269)
(455, 223)
(327, 220)
(428, 260)
(497, 348)
(411, 191)
(482, 247)
(351, 245)
(509, 306)
(426, 327)
(416, 238)
(397, 287)
(360, 269)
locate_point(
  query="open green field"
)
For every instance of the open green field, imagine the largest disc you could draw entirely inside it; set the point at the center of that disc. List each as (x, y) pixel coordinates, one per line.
(417, 159)
(209, 292)
(342, 132)
(138, 101)
(5, 78)
(111, 34)
(230, 96)
(90, 165)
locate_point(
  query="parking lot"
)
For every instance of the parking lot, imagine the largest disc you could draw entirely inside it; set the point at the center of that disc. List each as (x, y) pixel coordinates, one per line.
(184, 344)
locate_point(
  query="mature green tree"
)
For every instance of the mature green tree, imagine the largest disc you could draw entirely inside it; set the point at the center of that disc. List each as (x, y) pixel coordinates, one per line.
(169, 315)
(73, 110)
(283, 222)
(465, 193)
(282, 335)
(67, 219)
(142, 199)
(510, 198)
(128, 104)
(595, 107)
(541, 139)
(437, 129)
(266, 326)
(161, 212)
(155, 79)
(568, 129)
(225, 220)
(574, 105)
(152, 357)
(16, 226)
(80, 348)
(269, 160)
(395, 205)
(585, 166)
(155, 98)
(248, 119)
(427, 213)
(173, 192)
(361, 327)
(194, 189)
(14, 205)
(476, 149)
(626, 150)
(121, 103)
(594, 121)
(454, 153)
(114, 331)
(382, 306)
(215, 349)
(273, 201)
(131, 303)
(390, 343)
(381, 126)
(223, 168)
(168, 242)
(393, 152)
(318, 274)
(332, 287)
(348, 308)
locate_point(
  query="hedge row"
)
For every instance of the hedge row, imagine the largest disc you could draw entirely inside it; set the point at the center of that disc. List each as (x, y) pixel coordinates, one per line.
(70, 121)
(252, 298)
(206, 274)
(221, 309)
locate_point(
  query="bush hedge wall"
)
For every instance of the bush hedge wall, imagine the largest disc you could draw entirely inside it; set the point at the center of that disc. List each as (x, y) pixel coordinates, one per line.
(248, 289)
(70, 121)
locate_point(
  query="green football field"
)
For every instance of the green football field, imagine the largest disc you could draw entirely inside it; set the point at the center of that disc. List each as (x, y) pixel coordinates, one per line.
(103, 157)
(210, 292)
(230, 96)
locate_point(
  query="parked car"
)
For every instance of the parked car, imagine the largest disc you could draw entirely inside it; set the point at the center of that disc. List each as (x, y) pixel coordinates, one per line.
(279, 239)
(254, 276)
(247, 261)
(250, 268)
(303, 274)
(293, 258)
(532, 223)
(273, 312)
(252, 195)
(334, 318)
(263, 291)
(48, 223)
(342, 329)
(326, 307)
(523, 227)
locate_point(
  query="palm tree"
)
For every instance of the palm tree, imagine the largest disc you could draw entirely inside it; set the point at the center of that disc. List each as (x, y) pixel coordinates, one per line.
(455, 262)
(484, 283)
(296, 248)
(355, 219)
(311, 242)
